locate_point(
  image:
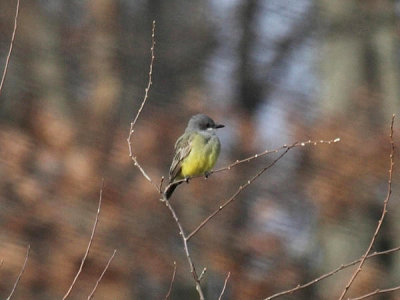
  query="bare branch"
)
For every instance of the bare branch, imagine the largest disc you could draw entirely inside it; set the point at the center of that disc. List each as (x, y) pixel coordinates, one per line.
(89, 244)
(172, 282)
(266, 152)
(196, 278)
(384, 211)
(239, 190)
(101, 276)
(223, 289)
(20, 273)
(11, 47)
(143, 172)
(377, 292)
(257, 155)
(133, 123)
(329, 274)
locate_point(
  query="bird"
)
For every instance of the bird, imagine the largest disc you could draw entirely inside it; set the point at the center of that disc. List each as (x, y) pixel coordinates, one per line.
(196, 151)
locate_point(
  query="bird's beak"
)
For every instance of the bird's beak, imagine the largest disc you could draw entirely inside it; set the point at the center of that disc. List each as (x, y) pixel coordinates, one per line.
(219, 125)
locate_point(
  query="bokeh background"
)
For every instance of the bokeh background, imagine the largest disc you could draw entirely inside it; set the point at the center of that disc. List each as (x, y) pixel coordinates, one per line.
(273, 72)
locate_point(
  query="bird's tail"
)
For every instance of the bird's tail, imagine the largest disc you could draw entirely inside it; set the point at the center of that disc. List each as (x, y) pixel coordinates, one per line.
(171, 189)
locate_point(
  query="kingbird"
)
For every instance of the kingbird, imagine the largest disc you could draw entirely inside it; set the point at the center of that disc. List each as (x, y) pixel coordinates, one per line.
(196, 151)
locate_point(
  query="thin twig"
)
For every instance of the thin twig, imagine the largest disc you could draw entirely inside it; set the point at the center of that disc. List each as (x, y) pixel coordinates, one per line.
(101, 276)
(258, 155)
(384, 211)
(223, 289)
(10, 48)
(150, 82)
(172, 282)
(376, 292)
(20, 273)
(185, 246)
(202, 274)
(89, 244)
(329, 274)
(146, 95)
(239, 190)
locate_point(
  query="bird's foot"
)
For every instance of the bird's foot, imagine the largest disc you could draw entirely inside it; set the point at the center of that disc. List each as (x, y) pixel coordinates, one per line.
(207, 174)
(187, 179)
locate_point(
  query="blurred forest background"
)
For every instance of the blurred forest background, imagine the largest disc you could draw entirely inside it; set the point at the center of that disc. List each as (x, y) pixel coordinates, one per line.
(273, 72)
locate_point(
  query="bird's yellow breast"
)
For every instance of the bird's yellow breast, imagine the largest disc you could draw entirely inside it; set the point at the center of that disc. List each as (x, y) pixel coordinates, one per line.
(202, 157)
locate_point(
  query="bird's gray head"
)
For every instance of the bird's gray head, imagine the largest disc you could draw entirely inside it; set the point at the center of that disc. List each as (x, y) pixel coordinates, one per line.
(202, 122)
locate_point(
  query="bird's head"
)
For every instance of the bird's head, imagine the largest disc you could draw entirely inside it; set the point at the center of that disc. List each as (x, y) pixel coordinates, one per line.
(202, 122)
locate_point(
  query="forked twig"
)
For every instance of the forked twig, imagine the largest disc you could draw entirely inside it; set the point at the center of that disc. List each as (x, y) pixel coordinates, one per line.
(384, 211)
(10, 48)
(230, 200)
(89, 244)
(224, 287)
(202, 274)
(20, 273)
(172, 211)
(196, 278)
(172, 282)
(266, 152)
(146, 95)
(101, 275)
(377, 292)
(238, 191)
(258, 155)
(329, 274)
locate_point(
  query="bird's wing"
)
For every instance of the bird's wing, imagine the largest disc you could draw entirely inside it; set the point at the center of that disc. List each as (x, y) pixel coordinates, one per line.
(182, 150)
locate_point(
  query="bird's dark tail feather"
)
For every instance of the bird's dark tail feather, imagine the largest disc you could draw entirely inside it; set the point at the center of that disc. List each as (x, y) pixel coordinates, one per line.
(171, 189)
